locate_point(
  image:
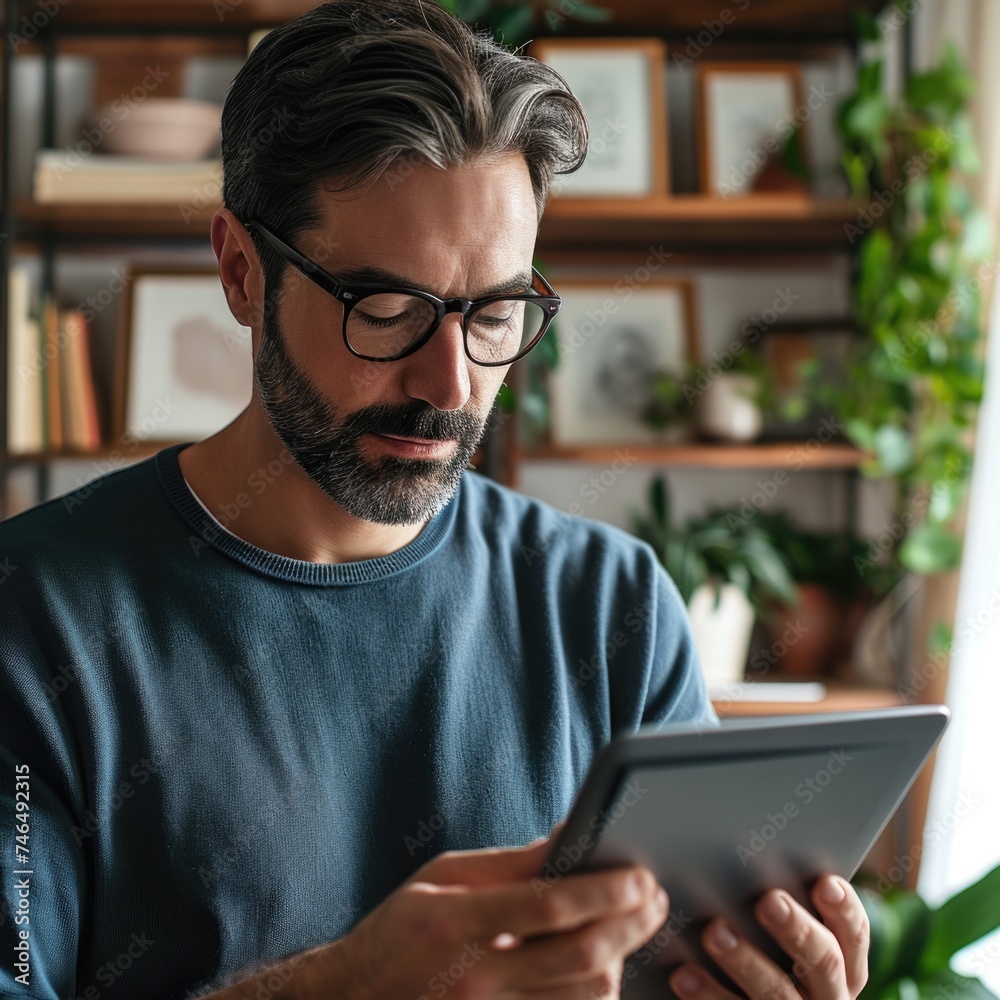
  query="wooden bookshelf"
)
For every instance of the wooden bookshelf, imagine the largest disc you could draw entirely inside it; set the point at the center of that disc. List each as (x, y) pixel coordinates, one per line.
(795, 455)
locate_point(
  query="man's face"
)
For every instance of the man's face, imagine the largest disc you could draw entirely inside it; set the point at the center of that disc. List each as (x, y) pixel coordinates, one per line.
(455, 233)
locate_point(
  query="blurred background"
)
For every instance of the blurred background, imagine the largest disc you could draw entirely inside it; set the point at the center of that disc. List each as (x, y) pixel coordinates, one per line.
(773, 360)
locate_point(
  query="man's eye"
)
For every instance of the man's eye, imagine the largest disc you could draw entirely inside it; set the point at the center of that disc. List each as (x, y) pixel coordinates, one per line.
(381, 322)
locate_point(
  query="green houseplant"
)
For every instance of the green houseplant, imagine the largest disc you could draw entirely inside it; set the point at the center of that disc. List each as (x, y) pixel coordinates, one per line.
(726, 576)
(915, 386)
(715, 549)
(912, 943)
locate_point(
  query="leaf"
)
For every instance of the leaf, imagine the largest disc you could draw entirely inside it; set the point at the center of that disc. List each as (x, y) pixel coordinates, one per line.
(951, 985)
(900, 925)
(584, 11)
(512, 27)
(893, 449)
(930, 549)
(865, 26)
(506, 398)
(939, 641)
(965, 918)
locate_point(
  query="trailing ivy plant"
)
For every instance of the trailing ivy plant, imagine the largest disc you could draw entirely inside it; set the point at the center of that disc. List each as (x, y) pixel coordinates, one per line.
(915, 387)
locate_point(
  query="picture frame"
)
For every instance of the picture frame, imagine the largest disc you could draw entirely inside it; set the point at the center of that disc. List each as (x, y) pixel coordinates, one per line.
(825, 343)
(610, 342)
(184, 365)
(622, 85)
(746, 111)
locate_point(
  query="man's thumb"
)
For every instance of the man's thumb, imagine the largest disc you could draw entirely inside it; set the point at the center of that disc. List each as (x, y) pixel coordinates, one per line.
(493, 866)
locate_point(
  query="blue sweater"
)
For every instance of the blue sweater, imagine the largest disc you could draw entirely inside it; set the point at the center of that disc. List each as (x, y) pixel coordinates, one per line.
(231, 756)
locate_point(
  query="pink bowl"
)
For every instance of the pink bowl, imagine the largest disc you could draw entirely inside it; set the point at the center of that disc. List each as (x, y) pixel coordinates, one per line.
(162, 128)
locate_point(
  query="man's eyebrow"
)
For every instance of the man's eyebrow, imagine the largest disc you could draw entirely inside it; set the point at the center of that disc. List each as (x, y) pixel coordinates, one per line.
(379, 276)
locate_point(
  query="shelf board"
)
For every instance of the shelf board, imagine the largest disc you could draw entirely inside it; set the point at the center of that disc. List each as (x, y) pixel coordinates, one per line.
(790, 18)
(693, 222)
(784, 18)
(205, 15)
(97, 220)
(839, 698)
(682, 222)
(796, 455)
(106, 453)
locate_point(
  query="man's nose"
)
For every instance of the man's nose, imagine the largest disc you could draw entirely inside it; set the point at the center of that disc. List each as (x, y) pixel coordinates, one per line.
(438, 373)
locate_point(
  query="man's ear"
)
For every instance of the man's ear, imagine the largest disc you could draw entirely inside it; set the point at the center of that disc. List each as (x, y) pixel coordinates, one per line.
(239, 268)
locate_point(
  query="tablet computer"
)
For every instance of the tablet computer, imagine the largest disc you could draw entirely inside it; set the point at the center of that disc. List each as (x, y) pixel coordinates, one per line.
(723, 814)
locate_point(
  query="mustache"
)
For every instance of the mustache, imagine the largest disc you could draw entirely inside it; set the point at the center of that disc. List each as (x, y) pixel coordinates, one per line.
(414, 420)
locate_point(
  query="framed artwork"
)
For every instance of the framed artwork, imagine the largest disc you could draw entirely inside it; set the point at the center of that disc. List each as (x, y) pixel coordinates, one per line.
(622, 85)
(746, 112)
(797, 354)
(184, 363)
(610, 345)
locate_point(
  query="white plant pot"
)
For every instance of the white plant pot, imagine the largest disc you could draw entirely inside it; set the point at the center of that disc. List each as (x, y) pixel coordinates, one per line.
(727, 410)
(721, 634)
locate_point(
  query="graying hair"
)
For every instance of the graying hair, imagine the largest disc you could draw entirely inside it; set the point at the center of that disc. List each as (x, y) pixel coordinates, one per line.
(339, 95)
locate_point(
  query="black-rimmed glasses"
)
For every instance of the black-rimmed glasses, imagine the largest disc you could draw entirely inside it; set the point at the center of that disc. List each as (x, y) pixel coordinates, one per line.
(387, 323)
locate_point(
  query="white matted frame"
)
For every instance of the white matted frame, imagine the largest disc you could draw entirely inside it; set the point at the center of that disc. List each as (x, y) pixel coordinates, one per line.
(622, 85)
(746, 111)
(610, 343)
(184, 363)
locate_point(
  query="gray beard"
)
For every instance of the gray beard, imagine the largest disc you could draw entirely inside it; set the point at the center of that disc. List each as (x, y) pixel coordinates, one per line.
(390, 490)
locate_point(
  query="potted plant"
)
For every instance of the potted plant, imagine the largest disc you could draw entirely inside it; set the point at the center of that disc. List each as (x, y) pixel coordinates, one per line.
(732, 406)
(667, 410)
(726, 573)
(912, 943)
(830, 597)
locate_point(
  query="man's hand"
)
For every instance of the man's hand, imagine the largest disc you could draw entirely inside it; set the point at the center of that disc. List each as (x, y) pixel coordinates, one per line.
(831, 958)
(471, 923)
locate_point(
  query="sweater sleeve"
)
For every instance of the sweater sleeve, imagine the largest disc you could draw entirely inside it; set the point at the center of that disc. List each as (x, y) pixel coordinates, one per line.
(43, 863)
(677, 691)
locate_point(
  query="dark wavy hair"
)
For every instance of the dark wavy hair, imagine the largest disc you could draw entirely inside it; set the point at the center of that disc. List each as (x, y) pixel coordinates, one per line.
(337, 96)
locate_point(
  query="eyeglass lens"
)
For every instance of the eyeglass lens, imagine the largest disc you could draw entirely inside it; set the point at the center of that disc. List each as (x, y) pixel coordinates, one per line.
(386, 324)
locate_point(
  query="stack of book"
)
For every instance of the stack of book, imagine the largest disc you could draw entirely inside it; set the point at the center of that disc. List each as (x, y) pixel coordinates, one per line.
(51, 399)
(64, 175)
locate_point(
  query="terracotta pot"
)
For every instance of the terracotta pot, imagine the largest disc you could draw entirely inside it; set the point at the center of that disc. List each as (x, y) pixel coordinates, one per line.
(807, 638)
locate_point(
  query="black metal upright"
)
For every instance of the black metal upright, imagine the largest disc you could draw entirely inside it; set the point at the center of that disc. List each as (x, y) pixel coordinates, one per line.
(9, 20)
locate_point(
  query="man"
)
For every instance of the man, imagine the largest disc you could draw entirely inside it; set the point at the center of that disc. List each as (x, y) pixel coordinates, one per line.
(296, 756)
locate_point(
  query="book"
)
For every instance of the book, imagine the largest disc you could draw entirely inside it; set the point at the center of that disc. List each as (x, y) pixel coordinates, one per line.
(53, 395)
(63, 175)
(775, 691)
(81, 431)
(25, 432)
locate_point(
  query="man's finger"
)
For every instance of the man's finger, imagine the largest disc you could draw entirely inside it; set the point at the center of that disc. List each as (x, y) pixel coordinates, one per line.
(842, 911)
(819, 961)
(580, 955)
(529, 910)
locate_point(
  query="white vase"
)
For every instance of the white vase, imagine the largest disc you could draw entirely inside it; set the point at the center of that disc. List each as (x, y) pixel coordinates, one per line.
(722, 632)
(727, 408)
